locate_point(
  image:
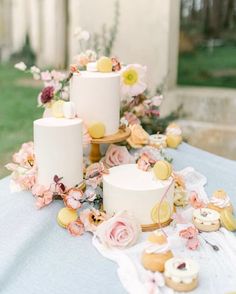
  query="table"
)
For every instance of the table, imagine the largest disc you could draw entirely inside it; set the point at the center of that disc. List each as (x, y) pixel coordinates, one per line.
(37, 256)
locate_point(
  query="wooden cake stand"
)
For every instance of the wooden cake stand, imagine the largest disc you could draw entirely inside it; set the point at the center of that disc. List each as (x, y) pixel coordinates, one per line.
(95, 154)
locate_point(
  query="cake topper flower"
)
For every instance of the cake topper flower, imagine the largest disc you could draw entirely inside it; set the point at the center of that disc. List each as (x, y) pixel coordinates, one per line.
(138, 137)
(120, 231)
(117, 155)
(92, 218)
(133, 80)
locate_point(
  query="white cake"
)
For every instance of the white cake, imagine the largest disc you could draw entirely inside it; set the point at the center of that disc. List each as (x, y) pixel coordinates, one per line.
(128, 188)
(58, 150)
(97, 98)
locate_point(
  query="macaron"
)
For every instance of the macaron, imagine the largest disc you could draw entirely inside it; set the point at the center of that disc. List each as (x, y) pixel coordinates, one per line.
(206, 220)
(228, 220)
(66, 216)
(97, 130)
(161, 212)
(57, 109)
(173, 141)
(104, 64)
(162, 170)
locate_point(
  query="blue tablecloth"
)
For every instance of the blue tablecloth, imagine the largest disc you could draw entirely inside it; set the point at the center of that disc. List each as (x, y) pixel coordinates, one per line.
(37, 256)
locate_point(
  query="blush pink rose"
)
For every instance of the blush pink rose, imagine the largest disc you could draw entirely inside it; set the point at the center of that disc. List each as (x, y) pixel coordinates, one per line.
(76, 228)
(120, 231)
(117, 155)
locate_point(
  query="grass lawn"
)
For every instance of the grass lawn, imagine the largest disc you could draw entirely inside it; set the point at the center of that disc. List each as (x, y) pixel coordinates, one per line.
(18, 109)
(202, 68)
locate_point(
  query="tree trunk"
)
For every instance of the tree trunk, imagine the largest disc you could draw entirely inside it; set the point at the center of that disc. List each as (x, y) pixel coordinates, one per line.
(229, 14)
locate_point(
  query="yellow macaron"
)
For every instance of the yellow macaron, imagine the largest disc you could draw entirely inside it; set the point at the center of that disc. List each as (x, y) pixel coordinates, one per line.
(228, 220)
(173, 141)
(104, 64)
(162, 169)
(57, 109)
(97, 130)
(66, 216)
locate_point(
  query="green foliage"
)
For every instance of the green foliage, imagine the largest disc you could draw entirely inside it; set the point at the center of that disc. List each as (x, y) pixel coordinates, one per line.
(18, 110)
(203, 68)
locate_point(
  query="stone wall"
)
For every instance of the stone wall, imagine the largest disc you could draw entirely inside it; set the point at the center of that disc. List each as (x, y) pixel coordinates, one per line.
(147, 33)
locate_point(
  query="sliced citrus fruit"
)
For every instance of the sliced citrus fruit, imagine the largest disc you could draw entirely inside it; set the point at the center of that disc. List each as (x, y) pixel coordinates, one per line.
(161, 212)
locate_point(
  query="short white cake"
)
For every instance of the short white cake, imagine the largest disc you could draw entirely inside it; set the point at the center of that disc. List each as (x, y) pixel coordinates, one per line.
(97, 98)
(128, 188)
(58, 150)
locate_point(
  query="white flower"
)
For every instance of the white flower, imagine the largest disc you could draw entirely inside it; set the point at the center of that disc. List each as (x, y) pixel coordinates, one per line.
(92, 55)
(21, 66)
(35, 72)
(133, 79)
(81, 34)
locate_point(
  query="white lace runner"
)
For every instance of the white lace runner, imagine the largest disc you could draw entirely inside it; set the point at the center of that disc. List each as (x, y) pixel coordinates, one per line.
(217, 268)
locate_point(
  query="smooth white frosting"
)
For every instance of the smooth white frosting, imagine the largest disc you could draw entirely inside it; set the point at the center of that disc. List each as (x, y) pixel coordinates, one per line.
(185, 275)
(58, 150)
(156, 248)
(97, 98)
(221, 203)
(128, 188)
(176, 131)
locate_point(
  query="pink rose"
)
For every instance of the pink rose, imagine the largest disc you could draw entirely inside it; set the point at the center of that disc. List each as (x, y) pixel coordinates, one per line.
(92, 218)
(195, 202)
(72, 198)
(117, 155)
(120, 231)
(76, 228)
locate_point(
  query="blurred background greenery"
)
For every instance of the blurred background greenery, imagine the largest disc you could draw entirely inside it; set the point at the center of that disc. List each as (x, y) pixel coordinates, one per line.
(207, 57)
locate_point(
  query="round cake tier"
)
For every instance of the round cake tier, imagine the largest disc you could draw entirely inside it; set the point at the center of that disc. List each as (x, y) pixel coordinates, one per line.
(97, 98)
(128, 188)
(58, 150)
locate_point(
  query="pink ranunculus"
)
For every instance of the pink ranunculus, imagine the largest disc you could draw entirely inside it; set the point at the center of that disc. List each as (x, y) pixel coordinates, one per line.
(94, 174)
(193, 243)
(195, 202)
(72, 198)
(117, 155)
(92, 218)
(76, 228)
(131, 118)
(120, 231)
(46, 76)
(47, 94)
(189, 233)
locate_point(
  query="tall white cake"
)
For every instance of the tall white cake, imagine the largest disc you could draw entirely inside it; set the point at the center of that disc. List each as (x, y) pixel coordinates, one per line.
(128, 188)
(97, 98)
(58, 150)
